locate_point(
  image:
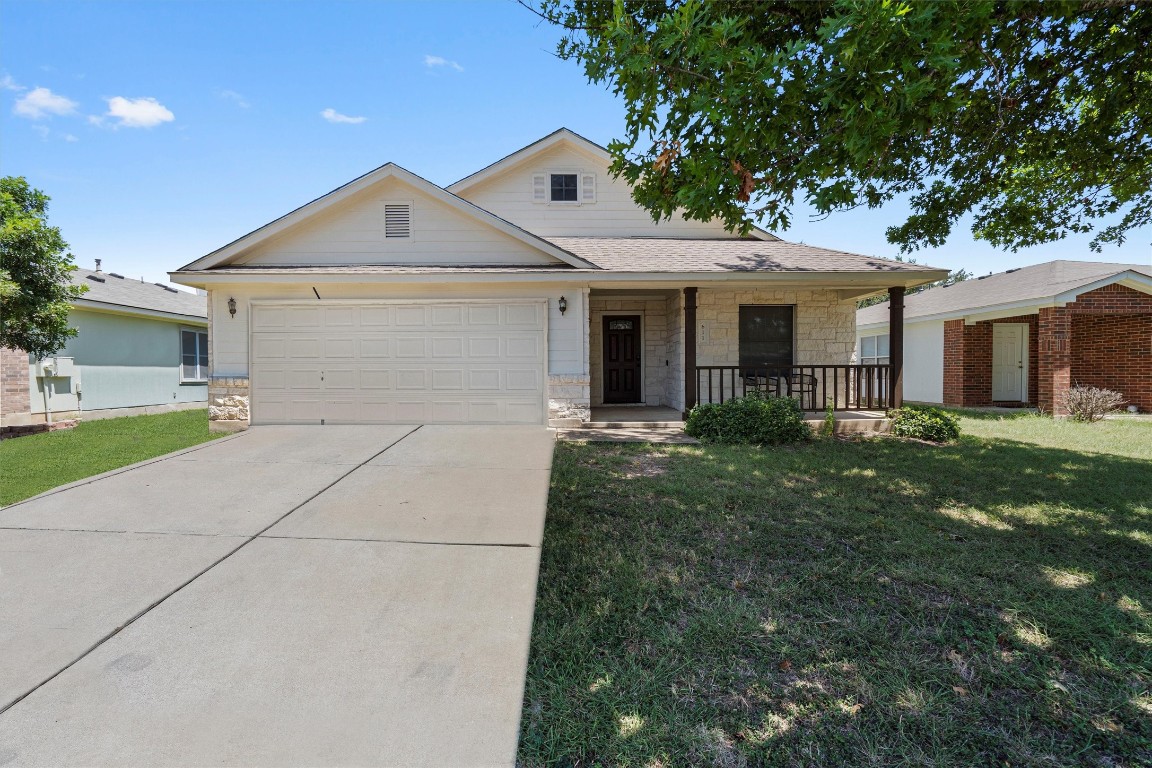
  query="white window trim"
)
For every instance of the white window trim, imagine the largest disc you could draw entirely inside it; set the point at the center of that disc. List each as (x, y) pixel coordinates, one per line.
(203, 379)
(578, 173)
(876, 359)
(411, 221)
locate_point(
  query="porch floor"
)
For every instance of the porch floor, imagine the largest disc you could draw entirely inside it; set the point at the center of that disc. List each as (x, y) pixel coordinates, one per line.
(646, 417)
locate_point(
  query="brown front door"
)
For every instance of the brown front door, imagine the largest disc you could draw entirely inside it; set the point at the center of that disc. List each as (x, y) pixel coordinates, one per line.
(622, 360)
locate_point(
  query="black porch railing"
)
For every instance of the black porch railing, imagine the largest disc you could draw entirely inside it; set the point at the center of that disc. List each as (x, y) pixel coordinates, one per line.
(845, 387)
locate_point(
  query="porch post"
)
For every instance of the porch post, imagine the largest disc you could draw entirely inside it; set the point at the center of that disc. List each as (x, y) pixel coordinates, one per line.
(1054, 359)
(689, 349)
(896, 343)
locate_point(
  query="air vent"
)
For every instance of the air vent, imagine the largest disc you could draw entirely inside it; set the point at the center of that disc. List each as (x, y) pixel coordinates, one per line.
(96, 278)
(116, 275)
(165, 287)
(397, 220)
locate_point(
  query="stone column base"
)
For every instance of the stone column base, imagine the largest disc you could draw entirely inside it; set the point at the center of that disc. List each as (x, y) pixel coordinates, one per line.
(228, 403)
(568, 400)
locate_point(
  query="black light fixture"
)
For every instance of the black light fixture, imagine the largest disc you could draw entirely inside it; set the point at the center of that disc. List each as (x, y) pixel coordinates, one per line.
(232, 306)
(563, 304)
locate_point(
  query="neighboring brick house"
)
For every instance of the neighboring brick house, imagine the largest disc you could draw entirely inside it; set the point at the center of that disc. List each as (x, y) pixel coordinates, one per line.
(1024, 336)
(141, 347)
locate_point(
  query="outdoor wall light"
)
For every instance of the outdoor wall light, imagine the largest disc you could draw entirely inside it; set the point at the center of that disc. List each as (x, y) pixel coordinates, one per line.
(232, 306)
(563, 304)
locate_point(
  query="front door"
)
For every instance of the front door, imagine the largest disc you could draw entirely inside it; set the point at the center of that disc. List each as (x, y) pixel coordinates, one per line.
(622, 360)
(1010, 363)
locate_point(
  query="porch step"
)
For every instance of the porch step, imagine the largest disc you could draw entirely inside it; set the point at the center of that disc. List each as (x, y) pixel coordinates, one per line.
(632, 425)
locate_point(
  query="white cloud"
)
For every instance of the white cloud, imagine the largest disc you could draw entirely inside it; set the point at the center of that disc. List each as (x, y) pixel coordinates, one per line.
(235, 98)
(138, 113)
(7, 83)
(39, 103)
(70, 138)
(333, 116)
(440, 61)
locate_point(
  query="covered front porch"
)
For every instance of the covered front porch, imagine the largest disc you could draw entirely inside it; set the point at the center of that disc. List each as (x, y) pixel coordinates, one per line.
(655, 354)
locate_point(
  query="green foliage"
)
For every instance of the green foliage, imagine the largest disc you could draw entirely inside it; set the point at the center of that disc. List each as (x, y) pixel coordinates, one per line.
(752, 419)
(1033, 118)
(829, 427)
(36, 292)
(933, 424)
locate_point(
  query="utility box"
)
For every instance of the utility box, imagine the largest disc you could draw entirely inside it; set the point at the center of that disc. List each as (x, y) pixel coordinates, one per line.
(53, 367)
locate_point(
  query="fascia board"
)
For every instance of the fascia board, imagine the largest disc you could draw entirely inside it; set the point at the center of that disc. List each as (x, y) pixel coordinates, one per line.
(153, 314)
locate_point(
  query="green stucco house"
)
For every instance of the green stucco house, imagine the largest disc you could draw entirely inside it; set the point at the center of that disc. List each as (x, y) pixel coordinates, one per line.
(141, 348)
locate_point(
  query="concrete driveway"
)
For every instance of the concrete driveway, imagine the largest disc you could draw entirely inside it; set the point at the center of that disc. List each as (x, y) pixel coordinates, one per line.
(288, 596)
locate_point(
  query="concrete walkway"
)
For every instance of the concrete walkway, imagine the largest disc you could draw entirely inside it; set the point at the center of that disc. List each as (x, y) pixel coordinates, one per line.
(286, 596)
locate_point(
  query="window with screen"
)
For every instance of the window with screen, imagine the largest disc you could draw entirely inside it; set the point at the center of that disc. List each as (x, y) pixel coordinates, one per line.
(193, 356)
(766, 336)
(564, 189)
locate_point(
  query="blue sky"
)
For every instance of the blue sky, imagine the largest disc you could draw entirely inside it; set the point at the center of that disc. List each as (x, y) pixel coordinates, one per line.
(163, 130)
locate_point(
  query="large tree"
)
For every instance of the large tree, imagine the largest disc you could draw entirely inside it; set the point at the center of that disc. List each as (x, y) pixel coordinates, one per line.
(35, 273)
(1032, 116)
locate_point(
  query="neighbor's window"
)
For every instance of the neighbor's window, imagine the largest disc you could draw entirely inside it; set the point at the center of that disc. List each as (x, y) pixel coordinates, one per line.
(564, 188)
(874, 350)
(766, 336)
(193, 355)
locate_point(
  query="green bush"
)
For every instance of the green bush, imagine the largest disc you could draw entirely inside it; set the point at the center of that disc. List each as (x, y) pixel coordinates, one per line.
(925, 424)
(755, 419)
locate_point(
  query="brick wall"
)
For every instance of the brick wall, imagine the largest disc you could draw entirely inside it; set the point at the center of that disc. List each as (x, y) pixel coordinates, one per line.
(15, 398)
(968, 361)
(1111, 330)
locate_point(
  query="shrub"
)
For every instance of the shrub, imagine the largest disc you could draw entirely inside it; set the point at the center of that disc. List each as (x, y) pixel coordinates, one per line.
(1090, 403)
(755, 419)
(925, 424)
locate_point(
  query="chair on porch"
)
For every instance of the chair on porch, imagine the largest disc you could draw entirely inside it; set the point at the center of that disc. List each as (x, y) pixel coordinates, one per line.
(762, 380)
(803, 387)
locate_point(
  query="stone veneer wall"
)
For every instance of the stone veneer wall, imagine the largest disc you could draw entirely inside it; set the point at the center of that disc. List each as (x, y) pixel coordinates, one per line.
(15, 392)
(674, 348)
(568, 396)
(656, 361)
(228, 403)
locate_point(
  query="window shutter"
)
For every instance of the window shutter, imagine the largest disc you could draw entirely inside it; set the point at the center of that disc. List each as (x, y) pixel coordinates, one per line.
(539, 188)
(588, 188)
(397, 220)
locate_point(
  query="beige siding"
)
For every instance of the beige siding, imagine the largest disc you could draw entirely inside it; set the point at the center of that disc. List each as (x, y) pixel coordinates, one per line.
(229, 340)
(614, 214)
(352, 232)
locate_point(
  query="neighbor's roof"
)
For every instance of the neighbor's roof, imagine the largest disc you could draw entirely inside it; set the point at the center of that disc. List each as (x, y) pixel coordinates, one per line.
(115, 291)
(1039, 283)
(665, 254)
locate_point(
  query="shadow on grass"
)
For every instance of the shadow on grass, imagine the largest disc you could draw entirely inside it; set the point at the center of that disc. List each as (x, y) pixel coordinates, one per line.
(880, 602)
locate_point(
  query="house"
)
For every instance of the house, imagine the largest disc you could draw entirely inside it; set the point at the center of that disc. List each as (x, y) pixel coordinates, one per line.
(528, 292)
(1023, 337)
(141, 347)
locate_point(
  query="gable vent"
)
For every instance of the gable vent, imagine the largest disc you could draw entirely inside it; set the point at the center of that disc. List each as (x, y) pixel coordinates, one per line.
(539, 188)
(397, 220)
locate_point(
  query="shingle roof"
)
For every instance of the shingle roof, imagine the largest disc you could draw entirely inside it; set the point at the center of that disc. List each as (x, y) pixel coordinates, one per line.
(133, 294)
(652, 254)
(1037, 282)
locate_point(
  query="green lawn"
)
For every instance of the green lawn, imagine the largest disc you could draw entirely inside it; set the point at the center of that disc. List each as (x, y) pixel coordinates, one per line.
(36, 463)
(877, 602)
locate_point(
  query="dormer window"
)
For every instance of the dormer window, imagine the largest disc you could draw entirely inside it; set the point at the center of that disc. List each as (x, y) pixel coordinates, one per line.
(564, 188)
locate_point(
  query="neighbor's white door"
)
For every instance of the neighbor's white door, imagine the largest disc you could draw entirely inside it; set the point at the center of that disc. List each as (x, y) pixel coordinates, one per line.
(1010, 362)
(464, 362)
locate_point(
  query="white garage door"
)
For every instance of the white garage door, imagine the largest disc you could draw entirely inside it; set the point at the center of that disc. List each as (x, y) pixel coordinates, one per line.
(468, 362)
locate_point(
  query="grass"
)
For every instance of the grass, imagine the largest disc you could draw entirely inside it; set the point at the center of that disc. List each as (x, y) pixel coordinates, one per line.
(879, 602)
(37, 463)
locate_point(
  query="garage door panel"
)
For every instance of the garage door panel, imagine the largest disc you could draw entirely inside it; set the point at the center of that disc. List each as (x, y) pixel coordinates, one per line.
(412, 378)
(448, 347)
(376, 378)
(439, 362)
(411, 347)
(340, 348)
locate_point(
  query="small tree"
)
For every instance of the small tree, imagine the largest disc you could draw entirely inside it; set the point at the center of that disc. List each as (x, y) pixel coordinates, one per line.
(36, 292)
